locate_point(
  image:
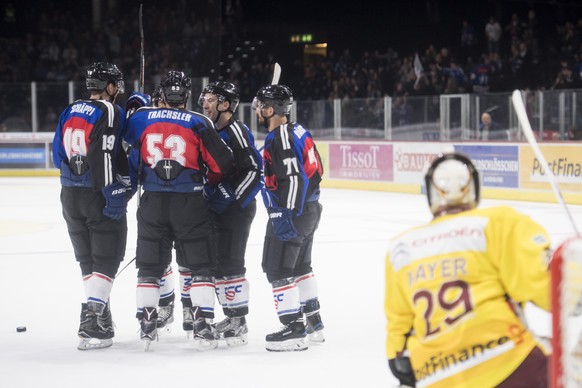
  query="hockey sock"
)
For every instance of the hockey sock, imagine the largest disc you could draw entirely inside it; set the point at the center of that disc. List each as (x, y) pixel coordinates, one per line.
(185, 283)
(286, 298)
(233, 294)
(307, 285)
(202, 295)
(98, 287)
(167, 287)
(147, 292)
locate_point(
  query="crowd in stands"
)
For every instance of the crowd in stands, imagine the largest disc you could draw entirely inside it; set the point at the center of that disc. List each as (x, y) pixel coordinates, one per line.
(493, 56)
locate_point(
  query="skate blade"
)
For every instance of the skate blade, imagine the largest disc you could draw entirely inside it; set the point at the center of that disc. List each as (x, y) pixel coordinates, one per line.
(94, 343)
(236, 341)
(316, 337)
(203, 345)
(292, 345)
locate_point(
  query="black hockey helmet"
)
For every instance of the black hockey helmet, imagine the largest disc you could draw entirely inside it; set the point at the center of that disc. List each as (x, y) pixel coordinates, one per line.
(99, 74)
(224, 91)
(176, 88)
(452, 182)
(279, 97)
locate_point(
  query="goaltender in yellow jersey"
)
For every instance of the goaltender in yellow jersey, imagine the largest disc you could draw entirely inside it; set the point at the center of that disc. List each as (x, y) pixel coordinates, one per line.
(454, 286)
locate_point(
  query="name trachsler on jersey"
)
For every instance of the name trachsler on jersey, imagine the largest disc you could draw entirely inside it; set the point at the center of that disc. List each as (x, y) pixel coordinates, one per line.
(169, 114)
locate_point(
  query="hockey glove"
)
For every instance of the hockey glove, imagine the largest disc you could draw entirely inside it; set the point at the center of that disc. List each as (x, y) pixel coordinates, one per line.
(116, 197)
(402, 370)
(282, 221)
(218, 197)
(136, 101)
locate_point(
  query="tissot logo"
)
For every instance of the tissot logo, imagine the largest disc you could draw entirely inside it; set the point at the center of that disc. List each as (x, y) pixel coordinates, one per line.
(359, 159)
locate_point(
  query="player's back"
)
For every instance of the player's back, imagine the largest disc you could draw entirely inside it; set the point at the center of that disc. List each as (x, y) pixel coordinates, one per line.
(454, 275)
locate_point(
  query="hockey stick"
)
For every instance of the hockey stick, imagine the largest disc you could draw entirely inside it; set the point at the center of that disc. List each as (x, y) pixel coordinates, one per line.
(276, 74)
(127, 265)
(528, 132)
(491, 109)
(141, 89)
(274, 81)
(142, 55)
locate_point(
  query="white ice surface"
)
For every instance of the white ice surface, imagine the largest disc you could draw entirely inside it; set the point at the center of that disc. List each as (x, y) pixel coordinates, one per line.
(41, 289)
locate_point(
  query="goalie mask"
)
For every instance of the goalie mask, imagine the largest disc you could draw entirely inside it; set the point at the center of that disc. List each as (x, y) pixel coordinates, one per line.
(101, 74)
(452, 184)
(176, 88)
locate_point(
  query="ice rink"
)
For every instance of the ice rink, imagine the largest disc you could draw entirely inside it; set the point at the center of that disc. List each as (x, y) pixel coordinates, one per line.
(41, 289)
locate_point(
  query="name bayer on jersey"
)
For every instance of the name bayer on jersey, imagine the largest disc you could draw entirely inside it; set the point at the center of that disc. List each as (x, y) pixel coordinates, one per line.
(169, 114)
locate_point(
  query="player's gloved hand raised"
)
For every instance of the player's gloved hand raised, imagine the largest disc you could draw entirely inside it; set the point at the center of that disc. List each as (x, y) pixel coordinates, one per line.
(116, 197)
(136, 101)
(282, 221)
(218, 197)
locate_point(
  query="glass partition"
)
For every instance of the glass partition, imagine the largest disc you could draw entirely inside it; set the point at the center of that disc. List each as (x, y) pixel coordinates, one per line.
(35, 107)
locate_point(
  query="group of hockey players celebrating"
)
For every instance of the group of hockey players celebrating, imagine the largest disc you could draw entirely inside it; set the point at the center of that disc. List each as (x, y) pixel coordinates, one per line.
(200, 174)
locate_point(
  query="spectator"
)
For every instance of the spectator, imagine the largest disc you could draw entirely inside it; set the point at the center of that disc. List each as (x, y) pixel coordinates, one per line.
(479, 75)
(567, 78)
(493, 34)
(488, 129)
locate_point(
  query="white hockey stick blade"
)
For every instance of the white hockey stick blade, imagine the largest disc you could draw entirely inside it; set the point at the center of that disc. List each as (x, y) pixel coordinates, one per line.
(276, 74)
(528, 132)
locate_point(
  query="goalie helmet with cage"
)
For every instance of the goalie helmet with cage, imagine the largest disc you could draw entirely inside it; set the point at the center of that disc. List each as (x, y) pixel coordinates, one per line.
(224, 91)
(175, 88)
(279, 97)
(452, 184)
(100, 74)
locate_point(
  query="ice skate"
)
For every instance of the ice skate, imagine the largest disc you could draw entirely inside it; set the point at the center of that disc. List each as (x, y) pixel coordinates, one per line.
(314, 328)
(314, 325)
(148, 326)
(204, 333)
(187, 323)
(95, 331)
(165, 318)
(234, 330)
(290, 338)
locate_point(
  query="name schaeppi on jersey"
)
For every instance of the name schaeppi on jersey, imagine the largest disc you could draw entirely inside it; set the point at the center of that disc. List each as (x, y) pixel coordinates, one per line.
(169, 114)
(83, 109)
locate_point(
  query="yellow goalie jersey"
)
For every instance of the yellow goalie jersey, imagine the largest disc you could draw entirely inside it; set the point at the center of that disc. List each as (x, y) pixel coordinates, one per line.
(447, 290)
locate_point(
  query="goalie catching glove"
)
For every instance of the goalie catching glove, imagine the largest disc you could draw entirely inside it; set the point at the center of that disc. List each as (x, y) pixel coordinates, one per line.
(282, 221)
(116, 196)
(218, 197)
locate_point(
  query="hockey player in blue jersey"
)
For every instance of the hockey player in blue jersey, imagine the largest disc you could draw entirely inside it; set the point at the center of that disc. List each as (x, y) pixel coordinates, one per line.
(292, 171)
(233, 207)
(95, 189)
(179, 150)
